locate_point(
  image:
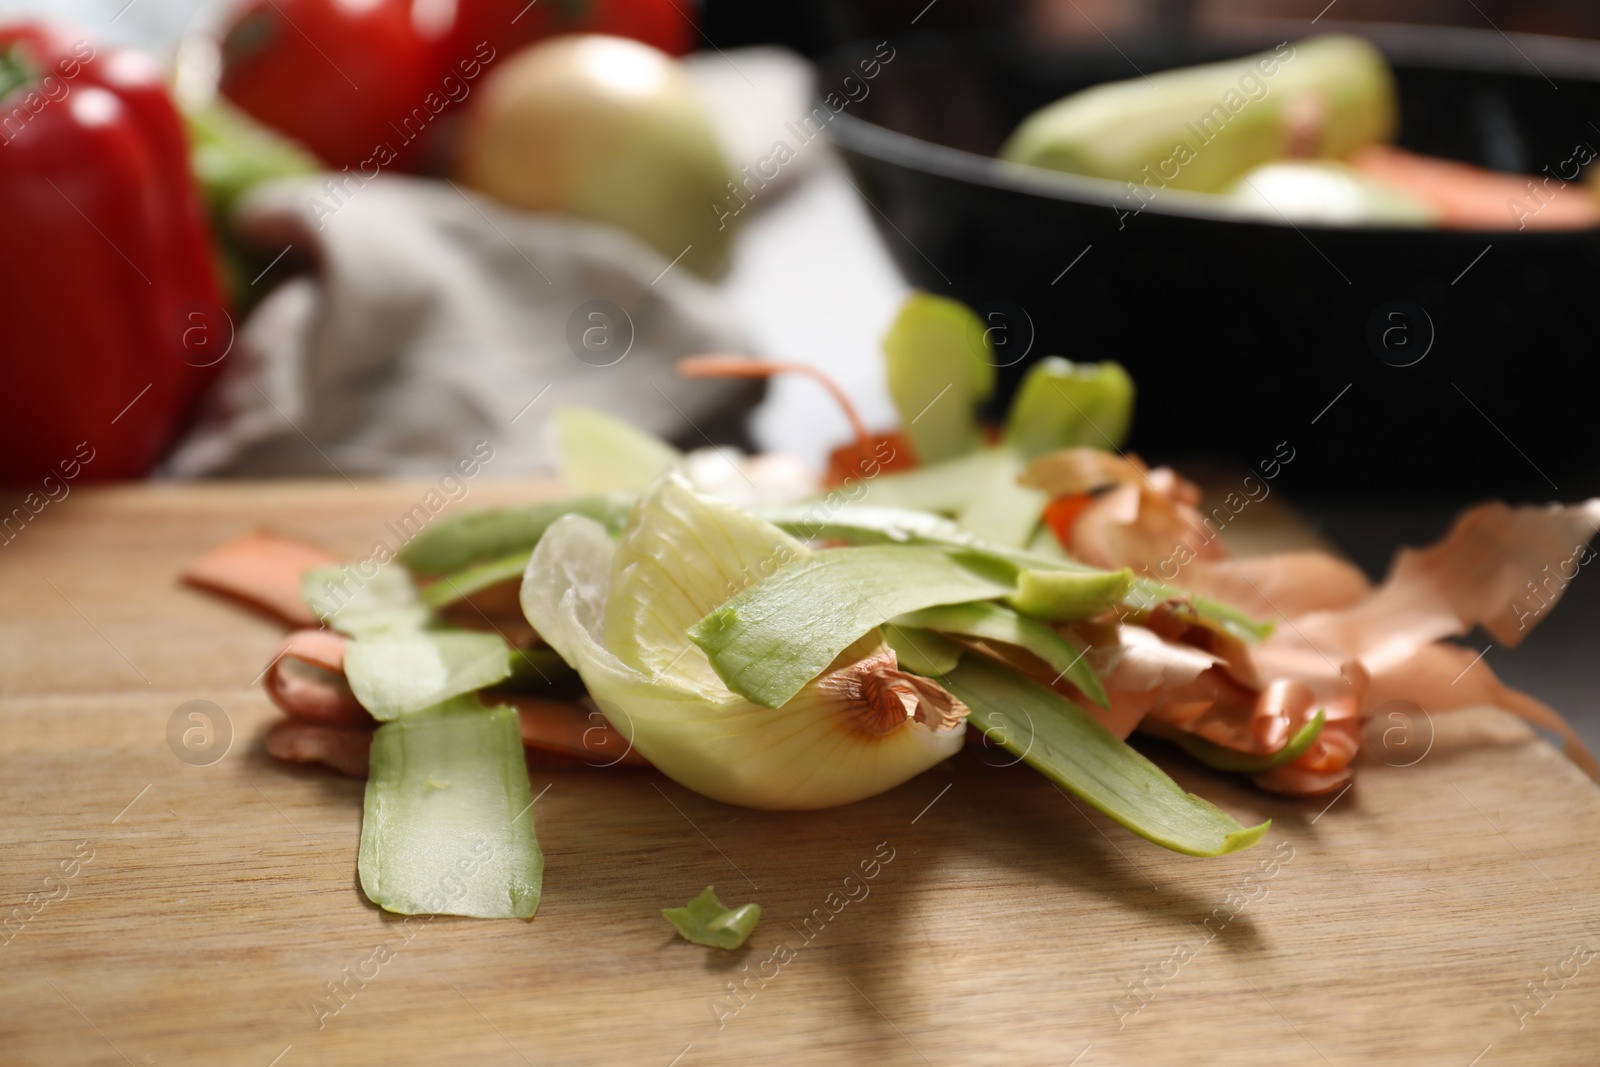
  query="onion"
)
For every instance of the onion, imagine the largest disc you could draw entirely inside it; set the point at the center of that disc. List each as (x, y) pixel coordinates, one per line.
(607, 129)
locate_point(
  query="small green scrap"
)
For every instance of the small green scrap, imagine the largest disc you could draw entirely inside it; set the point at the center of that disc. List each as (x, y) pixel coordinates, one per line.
(1070, 596)
(705, 920)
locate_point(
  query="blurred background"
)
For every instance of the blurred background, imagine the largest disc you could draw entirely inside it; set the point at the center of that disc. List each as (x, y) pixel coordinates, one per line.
(340, 357)
(821, 24)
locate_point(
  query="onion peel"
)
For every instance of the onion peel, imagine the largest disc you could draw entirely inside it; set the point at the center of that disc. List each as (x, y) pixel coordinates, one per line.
(620, 615)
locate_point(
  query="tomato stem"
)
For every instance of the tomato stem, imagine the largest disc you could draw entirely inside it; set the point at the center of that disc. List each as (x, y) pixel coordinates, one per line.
(15, 70)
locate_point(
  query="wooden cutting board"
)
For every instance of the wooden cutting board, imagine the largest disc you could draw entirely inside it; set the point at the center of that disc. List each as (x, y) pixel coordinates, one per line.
(189, 914)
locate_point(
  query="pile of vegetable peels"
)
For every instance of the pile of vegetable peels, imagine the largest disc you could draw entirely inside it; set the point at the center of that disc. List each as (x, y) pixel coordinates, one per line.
(1021, 588)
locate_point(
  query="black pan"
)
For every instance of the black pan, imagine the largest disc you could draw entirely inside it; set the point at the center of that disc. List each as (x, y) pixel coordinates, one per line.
(1392, 362)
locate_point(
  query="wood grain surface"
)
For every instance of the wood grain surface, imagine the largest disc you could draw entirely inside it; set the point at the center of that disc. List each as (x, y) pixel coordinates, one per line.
(1443, 911)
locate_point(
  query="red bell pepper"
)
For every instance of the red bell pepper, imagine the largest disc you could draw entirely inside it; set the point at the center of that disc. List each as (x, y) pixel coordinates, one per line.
(113, 319)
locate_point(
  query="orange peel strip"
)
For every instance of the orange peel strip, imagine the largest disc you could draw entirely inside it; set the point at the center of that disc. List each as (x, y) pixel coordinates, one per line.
(262, 570)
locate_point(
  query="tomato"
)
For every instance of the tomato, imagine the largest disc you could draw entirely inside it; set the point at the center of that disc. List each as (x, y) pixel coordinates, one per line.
(363, 83)
(345, 78)
(508, 25)
(667, 24)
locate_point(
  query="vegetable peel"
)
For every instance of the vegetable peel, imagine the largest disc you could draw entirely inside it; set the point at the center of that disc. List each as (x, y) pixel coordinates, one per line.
(705, 920)
(456, 542)
(598, 453)
(1228, 759)
(940, 361)
(1067, 596)
(771, 639)
(263, 570)
(398, 674)
(467, 849)
(586, 597)
(993, 623)
(1065, 744)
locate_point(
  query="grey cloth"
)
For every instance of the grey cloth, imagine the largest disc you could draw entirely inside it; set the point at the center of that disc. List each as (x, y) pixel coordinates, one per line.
(434, 319)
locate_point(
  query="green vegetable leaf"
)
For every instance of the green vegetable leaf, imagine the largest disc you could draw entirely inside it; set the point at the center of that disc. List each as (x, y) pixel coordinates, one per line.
(884, 525)
(232, 153)
(448, 828)
(922, 651)
(1002, 512)
(771, 639)
(458, 541)
(1064, 743)
(1061, 404)
(862, 525)
(708, 921)
(1228, 759)
(401, 659)
(402, 673)
(601, 454)
(15, 70)
(1044, 543)
(1070, 596)
(353, 603)
(941, 366)
(991, 622)
(1207, 612)
(944, 487)
(450, 588)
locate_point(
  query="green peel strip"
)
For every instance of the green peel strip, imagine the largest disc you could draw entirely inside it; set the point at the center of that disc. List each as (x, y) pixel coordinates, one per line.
(770, 640)
(862, 525)
(1064, 743)
(401, 659)
(1061, 404)
(945, 487)
(922, 651)
(459, 541)
(879, 525)
(448, 828)
(940, 364)
(450, 588)
(991, 622)
(598, 453)
(1003, 512)
(396, 674)
(356, 604)
(1228, 759)
(708, 921)
(1070, 596)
